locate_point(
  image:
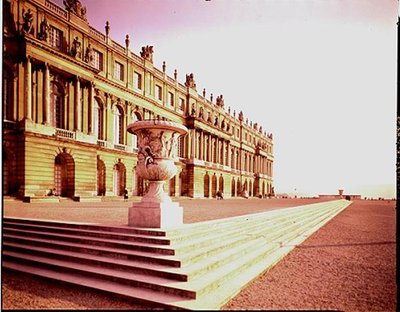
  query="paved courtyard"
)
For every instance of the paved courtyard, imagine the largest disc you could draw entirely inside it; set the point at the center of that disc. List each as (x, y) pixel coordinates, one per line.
(349, 264)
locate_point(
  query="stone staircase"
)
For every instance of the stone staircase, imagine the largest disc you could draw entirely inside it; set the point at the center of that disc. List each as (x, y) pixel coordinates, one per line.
(197, 266)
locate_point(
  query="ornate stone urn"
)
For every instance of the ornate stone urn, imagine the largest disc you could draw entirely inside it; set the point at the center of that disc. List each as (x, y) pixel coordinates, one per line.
(157, 143)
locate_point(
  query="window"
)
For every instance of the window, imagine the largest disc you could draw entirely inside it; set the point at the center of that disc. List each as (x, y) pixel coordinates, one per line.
(118, 125)
(119, 71)
(159, 92)
(57, 106)
(137, 80)
(182, 104)
(56, 36)
(170, 99)
(97, 60)
(98, 120)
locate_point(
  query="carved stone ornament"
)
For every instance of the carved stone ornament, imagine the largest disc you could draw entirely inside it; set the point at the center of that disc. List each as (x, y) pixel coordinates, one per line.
(157, 148)
(147, 53)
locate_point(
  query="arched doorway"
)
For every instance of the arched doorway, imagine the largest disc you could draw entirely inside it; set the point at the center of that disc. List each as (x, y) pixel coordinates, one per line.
(263, 189)
(214, 186)
(101, 177)
(206, 185)
(233, 190)
(119, 173)
(238, 188)
(221, 184)
(64, 175)
(250, 188)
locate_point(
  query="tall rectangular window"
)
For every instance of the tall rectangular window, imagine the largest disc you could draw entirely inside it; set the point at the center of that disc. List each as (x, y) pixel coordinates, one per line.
(170, 99)
(55, 37)
(97, 60)
(137, 80)
(181, 104)
(159, 92)
(119, 71)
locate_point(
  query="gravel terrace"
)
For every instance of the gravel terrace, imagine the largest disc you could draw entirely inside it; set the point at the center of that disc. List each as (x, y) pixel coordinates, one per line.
(348, 265)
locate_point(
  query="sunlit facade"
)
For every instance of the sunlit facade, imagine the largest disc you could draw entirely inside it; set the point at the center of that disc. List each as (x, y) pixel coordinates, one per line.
(69, 92)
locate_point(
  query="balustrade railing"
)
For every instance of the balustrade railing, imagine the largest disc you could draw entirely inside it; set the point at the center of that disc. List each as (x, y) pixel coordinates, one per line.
(65, 133)
(101, 143)
(96, 33)
(118, 47)
(120, 147)
(56, 9)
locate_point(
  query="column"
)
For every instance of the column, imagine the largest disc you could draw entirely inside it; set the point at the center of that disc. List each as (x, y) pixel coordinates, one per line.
(201, 144)
(223, 152)
(193, 141)
(209, 148)
(90, 108)
(78, 105)
(46, 95)
(28, 89)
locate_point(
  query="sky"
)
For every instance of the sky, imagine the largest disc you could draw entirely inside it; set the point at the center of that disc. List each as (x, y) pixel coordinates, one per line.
(320, 75)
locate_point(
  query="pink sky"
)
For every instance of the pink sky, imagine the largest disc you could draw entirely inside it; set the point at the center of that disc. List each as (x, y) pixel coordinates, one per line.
(319, 74)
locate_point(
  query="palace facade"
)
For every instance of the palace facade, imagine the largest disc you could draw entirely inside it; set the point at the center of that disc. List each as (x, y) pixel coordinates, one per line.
(69, 92)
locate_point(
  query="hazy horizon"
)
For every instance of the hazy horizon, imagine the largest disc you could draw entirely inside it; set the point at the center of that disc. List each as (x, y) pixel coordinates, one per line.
(319, 75)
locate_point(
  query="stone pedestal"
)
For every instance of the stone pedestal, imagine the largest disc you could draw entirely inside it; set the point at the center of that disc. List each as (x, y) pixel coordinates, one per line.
(158, 141)
(155, 215)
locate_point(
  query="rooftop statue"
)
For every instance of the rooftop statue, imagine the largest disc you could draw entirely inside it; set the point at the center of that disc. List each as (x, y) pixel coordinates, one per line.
(76, 7)
(241, 117)
(190, 81)
(220, 101)
(147, 53)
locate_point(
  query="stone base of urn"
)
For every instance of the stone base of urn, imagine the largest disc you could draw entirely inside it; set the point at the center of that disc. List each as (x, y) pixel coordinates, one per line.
(156, 210)
(155, 215)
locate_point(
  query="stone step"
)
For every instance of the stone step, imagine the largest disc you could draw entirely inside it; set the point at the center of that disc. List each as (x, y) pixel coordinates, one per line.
(141, 295)
(202, 285)
(128, 265)
(158, 240)
(118, 253)
(134, 279)
(90, 226)
(201, 228)
(115, 243)
(205, 276)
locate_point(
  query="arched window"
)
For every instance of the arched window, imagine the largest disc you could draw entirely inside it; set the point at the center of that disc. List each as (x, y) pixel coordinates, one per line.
(135, 117)
(118, 125)
(98, 117)
(57, 106)
(206, 185)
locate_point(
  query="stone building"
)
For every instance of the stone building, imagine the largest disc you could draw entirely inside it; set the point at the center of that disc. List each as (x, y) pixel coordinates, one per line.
(69, 92)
